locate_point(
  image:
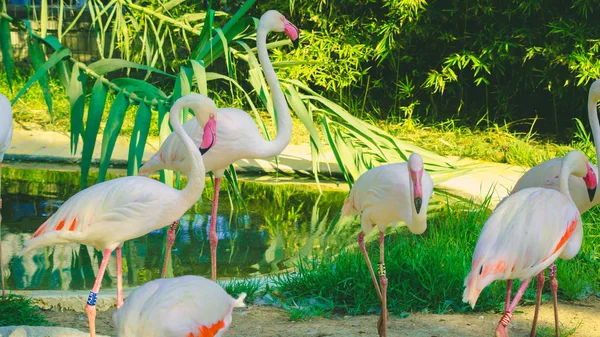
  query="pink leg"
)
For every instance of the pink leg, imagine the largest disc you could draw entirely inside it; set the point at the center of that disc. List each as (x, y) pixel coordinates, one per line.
(554, 287)
(90, 307)
(508, 293)
(539, 283)
(213, 231)
(119, 279)
(382, 324)
(501, 330)
(361, 244)
(170, 240)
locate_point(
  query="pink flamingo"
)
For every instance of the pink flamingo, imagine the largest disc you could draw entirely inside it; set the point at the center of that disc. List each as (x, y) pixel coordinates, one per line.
(583, 192)
(525, 234)
(107, 214)
(6, 131)
(190, 306)
(238, 135)
(386, 195)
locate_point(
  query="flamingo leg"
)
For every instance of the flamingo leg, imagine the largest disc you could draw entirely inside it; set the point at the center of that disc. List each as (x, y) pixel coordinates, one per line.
(508, 293)
(382, 324)
(170, 240)
(119, 279)
(501, 330)
(90, 307)
(539, 283)
(361, 244)
(554, 287)
(213, 231)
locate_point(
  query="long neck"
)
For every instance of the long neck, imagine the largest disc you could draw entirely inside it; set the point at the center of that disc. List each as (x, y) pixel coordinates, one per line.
(595, 125)
(284, 120)
(196, 173)
(563, 177)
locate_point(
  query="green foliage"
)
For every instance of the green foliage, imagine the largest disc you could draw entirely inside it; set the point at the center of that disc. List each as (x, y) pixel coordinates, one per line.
(426, 272)
(250, 286)
(18, 310)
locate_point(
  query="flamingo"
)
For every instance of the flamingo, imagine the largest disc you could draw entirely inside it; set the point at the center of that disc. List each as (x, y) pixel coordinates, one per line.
(107, 214)
(6, 131)
(389, 194)
(525, 234)
(238, 135)
(191, 306)
(583, 192)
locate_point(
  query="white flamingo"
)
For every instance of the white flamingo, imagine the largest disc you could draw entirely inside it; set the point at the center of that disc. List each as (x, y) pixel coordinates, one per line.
(386, 195)
(6, 131)
(525, 234)
(107, 214)
(238, 136)
(189, 306)
(583, 192)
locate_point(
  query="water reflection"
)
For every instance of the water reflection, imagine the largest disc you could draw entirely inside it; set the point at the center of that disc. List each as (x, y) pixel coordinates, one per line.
(283, 223)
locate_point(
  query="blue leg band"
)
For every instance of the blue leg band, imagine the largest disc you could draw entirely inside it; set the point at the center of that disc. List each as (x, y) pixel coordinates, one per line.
(92, 298)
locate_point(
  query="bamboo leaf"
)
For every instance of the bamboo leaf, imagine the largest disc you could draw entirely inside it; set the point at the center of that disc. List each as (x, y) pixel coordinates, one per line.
(296, 103)
(111, 132)
(200, 76)
(140, 88)
(53, 60)
(336, 153)
(94, 117)
(6, 48)
(37, 59)
(166, 176)
(44, 17)
(106, 66)
(76, 94)
(138, 138)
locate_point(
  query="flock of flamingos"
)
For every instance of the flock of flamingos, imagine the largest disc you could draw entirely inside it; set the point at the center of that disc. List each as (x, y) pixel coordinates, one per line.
(538, 223)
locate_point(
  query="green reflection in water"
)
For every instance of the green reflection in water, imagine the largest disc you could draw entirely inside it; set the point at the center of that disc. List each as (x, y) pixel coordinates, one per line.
(283, 222)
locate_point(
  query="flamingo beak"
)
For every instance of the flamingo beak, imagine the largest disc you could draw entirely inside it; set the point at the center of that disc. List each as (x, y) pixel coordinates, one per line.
(417, 189)
(591, 182)
(209, 137)
(292, 32)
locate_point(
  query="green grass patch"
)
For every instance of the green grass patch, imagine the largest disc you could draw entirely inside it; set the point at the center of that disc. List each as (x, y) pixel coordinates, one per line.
(250, 286)
(18, 310)
(426, 272)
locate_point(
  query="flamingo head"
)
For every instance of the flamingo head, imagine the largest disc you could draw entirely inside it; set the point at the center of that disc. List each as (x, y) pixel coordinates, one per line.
(276, 22)
(483, 273)
(590, 181)
(415, 168)
(209, 136)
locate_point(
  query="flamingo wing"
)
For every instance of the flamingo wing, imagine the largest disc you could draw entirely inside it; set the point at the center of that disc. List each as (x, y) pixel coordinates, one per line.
(6, 125)
(101, 215)
(523, 236)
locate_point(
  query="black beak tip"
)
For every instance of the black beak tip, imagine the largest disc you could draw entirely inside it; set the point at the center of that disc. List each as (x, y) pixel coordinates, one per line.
(203, 151)
(418, 204)
(591, 193)
(296, 42)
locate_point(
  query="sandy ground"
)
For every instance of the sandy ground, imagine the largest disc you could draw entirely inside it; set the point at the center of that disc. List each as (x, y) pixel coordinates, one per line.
(274, 322)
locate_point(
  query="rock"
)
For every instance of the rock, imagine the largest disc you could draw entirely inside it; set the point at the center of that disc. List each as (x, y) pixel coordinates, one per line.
(41, 331)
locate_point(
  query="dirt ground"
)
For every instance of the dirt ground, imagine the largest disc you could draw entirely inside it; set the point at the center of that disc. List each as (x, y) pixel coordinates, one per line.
(274, 322)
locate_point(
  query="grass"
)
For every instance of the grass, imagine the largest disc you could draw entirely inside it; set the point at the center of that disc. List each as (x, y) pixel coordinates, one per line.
(18, 310)
(250, 286)
(426, 272)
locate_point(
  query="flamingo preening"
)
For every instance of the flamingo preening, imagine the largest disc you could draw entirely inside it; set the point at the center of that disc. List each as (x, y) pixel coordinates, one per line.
(107, 214)
(386, 195)
(525, 234)
(237, 134)
(6, 131)
(186, 306)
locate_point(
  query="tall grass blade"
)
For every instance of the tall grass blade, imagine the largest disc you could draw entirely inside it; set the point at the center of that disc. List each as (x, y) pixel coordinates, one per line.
(111, 132)
(140, 88)
(200, 76)
(77, 102)
(106, 66)
(37, 59)
(138, 138)
(6, 48)
(94, 117)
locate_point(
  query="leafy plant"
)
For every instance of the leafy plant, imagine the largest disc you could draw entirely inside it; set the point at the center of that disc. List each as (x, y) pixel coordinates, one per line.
(18, 310)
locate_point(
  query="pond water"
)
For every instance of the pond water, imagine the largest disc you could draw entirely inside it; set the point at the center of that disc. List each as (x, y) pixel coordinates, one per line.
(281, 223)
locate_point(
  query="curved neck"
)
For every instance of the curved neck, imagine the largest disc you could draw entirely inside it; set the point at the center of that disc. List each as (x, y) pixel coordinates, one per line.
(563, 178)
(196, 172)
(284, 120)
(594, 124)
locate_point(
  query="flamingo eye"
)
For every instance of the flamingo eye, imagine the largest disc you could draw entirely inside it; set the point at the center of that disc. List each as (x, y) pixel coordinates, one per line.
(480, 269)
